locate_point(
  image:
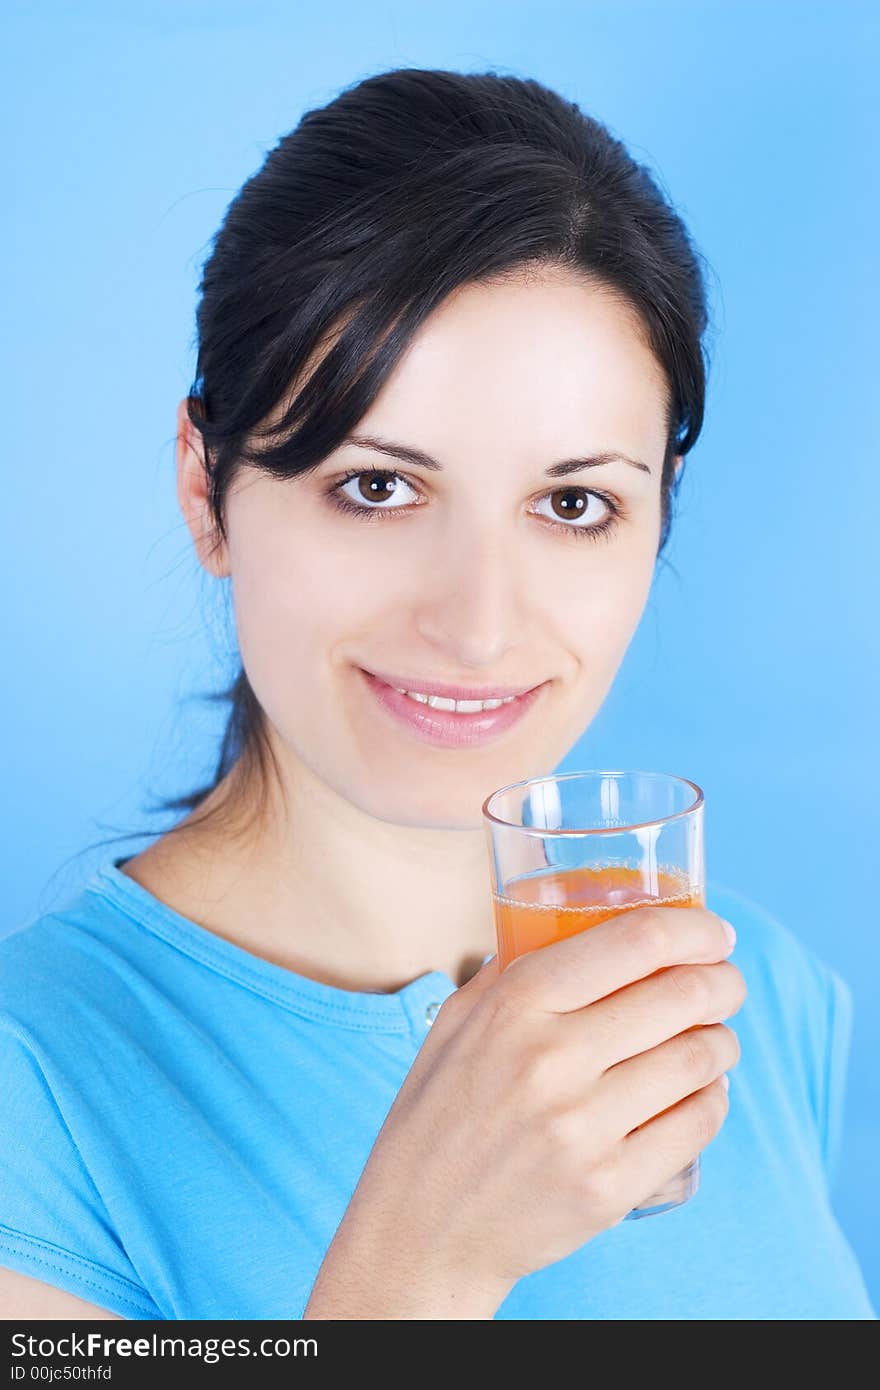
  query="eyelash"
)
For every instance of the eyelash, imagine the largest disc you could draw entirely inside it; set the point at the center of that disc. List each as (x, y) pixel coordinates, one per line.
(345, 504)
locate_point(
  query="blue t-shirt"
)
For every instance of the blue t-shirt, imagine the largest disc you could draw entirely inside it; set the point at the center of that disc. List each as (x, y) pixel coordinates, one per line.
(183, 1123)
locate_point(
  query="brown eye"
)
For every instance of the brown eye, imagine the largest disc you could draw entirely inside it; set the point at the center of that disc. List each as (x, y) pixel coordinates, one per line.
(382, 493)
(376, 487)
(579, 508)
(568, 502)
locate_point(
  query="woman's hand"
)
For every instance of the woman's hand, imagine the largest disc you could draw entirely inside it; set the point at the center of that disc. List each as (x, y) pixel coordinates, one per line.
(546, 1102)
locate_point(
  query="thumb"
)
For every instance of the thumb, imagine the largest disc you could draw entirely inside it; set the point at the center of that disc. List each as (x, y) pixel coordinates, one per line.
(486, 975)
(457, 1008)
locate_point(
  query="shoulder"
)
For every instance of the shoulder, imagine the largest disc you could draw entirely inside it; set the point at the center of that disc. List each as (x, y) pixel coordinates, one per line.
(798, 1011)
(58, 963)
(775, 960)
(57, 974)
(57, 1028)
(72, 987)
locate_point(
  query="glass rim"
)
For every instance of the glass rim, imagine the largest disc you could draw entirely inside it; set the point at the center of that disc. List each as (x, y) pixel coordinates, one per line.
(596, 772)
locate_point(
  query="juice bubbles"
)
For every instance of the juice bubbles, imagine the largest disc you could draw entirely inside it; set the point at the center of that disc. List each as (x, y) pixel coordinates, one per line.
(538, 909)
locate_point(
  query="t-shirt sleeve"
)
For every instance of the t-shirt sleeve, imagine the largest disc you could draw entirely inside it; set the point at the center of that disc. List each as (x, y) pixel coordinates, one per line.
(811, 1009)
(830, 1095)
(53, 1223)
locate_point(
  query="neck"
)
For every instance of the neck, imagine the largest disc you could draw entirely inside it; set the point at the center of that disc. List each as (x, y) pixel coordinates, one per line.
(321, 887)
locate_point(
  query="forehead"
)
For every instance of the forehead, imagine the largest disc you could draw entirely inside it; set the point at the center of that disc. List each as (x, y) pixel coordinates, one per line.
(549, 360)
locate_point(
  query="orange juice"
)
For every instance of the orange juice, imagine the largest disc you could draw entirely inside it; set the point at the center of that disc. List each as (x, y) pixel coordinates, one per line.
(536, 910)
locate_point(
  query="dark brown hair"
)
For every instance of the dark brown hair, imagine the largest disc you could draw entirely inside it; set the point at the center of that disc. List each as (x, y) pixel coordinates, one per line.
(372, 210)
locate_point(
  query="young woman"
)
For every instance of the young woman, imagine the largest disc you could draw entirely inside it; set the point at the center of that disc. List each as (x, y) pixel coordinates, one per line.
(450, 361)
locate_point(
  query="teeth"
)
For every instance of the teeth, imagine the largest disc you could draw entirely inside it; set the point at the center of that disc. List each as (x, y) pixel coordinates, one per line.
(458, 706)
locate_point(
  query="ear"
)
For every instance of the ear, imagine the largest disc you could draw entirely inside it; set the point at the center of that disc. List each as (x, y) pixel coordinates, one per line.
(192, 494)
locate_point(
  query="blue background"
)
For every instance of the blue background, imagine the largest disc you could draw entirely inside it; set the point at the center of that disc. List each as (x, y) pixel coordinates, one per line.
(755, 669)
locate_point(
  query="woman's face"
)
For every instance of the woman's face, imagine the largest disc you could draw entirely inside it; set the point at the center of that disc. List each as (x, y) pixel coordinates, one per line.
(484, 573)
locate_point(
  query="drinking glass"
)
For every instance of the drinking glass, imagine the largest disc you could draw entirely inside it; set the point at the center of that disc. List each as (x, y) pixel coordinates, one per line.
(573, 849)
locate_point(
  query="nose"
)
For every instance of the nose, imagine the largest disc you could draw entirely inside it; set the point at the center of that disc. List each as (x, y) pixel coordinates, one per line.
(469, 604)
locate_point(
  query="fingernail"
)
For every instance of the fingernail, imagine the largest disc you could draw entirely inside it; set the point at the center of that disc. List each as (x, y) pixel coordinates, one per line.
(730, 933)
(725, 1081)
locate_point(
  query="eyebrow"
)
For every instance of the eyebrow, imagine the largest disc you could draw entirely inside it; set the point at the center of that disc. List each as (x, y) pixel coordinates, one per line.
(407, 454)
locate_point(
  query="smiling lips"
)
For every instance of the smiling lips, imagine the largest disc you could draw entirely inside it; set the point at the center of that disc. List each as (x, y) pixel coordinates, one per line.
(451, 716)
(454, 706)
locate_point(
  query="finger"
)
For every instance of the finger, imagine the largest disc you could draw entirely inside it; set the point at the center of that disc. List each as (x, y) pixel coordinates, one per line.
(644, 1014)
(569, 974)
(653, 1154)
(637, 1090)
(458, 1004)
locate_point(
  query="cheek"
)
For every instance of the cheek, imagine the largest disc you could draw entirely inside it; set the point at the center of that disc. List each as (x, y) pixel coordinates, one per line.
(294, 598)
(596, 607)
